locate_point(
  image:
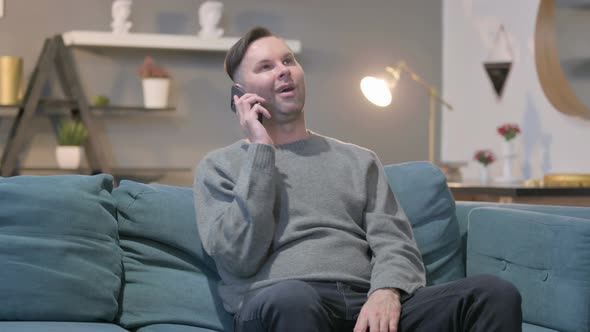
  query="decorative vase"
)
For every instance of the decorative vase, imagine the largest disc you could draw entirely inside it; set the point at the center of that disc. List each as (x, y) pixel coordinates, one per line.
(484, 175)
(68, 157)
(155, 92)
(508, 157)
(11, 72)
(210, 13)
(120, 11)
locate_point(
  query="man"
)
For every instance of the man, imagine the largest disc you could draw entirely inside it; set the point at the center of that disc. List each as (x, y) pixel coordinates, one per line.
(305, 231)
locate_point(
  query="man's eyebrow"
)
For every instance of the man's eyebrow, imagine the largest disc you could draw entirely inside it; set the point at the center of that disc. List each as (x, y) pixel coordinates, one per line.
(263, 61)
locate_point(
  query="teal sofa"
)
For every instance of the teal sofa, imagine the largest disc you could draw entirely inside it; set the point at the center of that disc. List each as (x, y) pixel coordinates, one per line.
(77, 254)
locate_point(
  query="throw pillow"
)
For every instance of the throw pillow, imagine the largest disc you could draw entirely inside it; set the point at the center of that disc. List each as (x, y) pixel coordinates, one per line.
(169, 279)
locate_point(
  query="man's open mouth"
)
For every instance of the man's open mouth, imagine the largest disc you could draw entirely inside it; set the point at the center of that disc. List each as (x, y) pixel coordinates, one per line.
(286, 88)
(286, 91)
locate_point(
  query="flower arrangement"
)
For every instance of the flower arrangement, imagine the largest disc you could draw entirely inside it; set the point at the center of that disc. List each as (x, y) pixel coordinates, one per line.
(149, 69)
(485, 157)
(509, 131)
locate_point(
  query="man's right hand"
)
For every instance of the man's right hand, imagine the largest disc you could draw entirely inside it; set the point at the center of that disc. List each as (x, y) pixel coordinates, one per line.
(247, 108)
(381, 312)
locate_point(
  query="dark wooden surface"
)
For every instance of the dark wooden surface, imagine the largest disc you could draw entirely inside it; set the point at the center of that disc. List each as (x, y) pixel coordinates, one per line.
(516, 190)
(513, 193)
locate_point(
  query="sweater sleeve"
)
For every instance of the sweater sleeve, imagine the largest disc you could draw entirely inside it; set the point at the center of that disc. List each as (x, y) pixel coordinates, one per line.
(397, 262)
(235, 216)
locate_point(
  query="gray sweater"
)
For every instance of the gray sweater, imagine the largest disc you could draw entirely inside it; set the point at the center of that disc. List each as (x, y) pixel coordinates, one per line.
(315, 209)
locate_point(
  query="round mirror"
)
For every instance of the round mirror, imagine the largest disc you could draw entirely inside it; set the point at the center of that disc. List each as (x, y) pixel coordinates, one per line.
(562, 54)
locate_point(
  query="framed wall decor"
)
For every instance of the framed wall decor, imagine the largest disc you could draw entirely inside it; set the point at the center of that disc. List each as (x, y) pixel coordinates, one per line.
(496, 68)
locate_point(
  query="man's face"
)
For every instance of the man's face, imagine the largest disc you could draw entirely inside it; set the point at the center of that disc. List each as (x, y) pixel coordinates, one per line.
(270, 70)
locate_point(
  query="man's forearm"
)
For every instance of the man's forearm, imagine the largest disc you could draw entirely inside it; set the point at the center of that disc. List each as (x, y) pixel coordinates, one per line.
(236, 220)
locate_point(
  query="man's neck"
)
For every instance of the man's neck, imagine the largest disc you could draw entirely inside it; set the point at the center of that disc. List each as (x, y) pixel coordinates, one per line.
(289, 132)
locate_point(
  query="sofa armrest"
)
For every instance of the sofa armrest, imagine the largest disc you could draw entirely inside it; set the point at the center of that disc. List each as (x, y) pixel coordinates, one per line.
(546, 256)
(463, 208)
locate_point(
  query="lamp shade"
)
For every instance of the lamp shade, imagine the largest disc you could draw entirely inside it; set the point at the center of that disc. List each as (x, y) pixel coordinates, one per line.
(376, 90)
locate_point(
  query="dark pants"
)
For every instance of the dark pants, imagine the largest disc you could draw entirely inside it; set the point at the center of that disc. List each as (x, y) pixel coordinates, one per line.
(480, 303)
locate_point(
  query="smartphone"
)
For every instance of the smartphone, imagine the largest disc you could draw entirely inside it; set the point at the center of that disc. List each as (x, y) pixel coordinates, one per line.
(236, 90)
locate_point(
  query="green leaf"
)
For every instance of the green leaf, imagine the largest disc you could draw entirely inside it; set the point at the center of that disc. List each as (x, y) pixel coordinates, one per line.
(72, 133)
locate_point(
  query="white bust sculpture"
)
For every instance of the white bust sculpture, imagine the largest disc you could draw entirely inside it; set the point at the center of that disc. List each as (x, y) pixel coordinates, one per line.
(209, 16)
(120, 10)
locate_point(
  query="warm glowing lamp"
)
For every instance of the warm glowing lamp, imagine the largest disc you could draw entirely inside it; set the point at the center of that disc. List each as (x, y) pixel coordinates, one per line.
(379, 92)
(376, 90)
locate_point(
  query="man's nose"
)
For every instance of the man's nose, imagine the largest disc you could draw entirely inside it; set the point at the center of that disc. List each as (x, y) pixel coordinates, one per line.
(284, 71)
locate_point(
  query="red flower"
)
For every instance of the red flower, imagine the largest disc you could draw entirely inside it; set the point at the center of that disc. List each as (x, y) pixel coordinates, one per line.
(485, 157)
(149, 69)
(509, 130)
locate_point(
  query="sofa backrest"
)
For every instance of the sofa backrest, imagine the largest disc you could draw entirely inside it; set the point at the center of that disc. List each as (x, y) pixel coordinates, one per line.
(421, 188)
(58, 245)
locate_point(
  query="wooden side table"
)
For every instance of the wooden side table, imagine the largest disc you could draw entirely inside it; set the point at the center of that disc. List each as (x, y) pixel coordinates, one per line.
(510, 193)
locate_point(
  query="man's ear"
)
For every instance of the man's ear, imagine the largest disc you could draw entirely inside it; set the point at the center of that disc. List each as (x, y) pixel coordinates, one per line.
(240, 83)
(237, 80)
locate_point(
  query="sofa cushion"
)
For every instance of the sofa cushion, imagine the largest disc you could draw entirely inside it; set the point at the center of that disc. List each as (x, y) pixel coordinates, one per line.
(535, 328)
(422, 191)
(58, 327)
(169, 279)
(59, 254)
(172, 328)
(547, 257)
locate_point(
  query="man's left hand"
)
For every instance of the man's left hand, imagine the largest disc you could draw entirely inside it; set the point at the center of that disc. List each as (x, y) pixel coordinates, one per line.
(380, 313)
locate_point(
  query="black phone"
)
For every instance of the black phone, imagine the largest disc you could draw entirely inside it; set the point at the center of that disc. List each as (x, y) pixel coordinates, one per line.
(236, 90)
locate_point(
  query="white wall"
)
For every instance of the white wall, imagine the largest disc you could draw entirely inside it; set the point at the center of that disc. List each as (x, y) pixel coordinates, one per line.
(551, 141)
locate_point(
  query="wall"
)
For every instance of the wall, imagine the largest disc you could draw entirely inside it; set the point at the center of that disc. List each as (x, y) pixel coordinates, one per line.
(551, 141)
(343, 40)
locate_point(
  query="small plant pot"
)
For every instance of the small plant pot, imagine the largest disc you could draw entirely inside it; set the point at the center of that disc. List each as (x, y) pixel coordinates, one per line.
(155, 92)
(68, 157)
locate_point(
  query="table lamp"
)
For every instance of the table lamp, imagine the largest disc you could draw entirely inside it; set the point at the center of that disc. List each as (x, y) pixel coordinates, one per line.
(379, 92)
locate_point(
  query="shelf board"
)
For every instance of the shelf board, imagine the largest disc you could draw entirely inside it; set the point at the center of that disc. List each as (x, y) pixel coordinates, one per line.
(9, 110)
(155, 41)
(10, 106)
(130, 110)
(58, 106)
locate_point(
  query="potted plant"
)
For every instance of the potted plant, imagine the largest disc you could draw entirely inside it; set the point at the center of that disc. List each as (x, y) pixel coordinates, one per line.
(155, 82)
(71, 135)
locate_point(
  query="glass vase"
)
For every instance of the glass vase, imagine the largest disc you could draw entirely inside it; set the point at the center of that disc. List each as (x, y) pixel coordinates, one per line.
(484, 175)
(508, 158)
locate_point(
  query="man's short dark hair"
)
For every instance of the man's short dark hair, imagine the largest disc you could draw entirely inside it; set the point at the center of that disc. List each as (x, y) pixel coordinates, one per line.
(236, 53)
